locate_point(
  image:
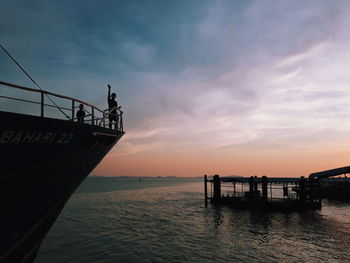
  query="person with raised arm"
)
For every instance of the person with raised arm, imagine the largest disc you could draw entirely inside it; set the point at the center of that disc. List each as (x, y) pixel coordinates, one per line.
(112, 108)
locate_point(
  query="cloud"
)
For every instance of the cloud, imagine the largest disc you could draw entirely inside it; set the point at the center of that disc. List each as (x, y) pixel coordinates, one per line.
(193, 77)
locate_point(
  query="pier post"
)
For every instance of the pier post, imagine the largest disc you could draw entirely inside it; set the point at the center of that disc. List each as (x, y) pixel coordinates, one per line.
(251, 187)
(285, 190)
(255, 186)
(206, 190)
(217, 187)
(264, 187)
(302, 189)
(234, 189)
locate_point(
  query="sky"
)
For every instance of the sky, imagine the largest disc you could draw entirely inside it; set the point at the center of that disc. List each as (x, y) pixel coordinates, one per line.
(229, 87)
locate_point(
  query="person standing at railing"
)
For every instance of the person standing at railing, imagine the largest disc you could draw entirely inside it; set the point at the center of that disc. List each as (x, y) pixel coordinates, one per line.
(81, 113)
(113, 106)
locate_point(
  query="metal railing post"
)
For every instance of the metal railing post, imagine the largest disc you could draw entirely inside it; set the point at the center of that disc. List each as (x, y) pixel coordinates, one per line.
(73, 102)
(103, 120)
(121, 122)
(92, 116)
(42, 104)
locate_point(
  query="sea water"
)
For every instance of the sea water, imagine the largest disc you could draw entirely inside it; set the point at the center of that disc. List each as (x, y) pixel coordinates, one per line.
(165, 220)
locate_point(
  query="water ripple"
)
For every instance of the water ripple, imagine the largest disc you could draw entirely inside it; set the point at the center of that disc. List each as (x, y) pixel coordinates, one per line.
(170, 224)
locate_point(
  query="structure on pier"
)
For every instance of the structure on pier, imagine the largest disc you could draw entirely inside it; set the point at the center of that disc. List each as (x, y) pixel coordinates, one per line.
(265, 193)
(335, 183)
(279, 193)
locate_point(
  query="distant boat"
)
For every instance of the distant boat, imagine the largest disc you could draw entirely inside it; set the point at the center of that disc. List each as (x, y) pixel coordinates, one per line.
(43, 161)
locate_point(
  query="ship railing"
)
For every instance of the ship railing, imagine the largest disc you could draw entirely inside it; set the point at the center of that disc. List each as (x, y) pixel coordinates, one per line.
(93, 116)
(104, 119)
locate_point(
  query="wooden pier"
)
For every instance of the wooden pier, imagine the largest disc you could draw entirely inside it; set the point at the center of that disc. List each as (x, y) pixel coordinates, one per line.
(284, 194)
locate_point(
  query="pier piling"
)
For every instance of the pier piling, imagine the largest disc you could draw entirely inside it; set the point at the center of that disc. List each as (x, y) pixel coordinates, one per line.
(206, 190)
(217, 187)
(264, 188)
(251, 187)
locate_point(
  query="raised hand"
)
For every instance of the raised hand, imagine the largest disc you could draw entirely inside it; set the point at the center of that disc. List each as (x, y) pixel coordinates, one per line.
(109, 86)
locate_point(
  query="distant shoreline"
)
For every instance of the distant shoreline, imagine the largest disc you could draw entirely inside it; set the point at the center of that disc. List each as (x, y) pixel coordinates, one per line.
(124, 177)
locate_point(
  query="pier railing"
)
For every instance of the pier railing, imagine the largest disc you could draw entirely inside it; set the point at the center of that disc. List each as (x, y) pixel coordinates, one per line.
(93, 115)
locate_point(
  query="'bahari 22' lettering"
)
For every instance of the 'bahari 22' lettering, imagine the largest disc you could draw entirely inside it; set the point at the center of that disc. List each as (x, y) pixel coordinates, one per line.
(31, 137)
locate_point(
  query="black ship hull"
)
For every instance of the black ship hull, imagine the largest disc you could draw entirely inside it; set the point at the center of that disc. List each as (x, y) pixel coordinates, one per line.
(43, 161)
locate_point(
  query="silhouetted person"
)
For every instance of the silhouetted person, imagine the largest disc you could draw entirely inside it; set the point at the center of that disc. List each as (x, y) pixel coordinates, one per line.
(81, 113)
(113, 106)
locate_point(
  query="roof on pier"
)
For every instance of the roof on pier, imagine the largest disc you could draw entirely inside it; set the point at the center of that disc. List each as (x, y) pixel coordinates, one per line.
(276, 180)
(332, 172)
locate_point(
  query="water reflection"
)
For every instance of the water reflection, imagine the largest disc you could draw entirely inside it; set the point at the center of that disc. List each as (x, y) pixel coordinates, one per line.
(309, 236)
(171, 224)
